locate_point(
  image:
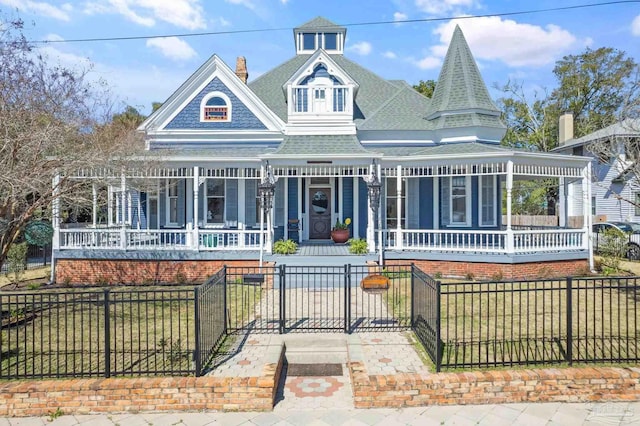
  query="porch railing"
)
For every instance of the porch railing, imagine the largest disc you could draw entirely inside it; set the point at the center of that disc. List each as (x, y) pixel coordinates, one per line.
(161, 239)
(528, 241)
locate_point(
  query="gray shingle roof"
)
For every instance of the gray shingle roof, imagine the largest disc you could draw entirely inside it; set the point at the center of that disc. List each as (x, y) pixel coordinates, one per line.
(460, 86)
(627, 127)
(211, 153)
(319, 22)
(404, 111)
(374, 91)
(462, 148)
(307, 145)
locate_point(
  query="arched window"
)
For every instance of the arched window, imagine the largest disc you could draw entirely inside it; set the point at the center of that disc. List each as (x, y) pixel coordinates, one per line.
(215, 106)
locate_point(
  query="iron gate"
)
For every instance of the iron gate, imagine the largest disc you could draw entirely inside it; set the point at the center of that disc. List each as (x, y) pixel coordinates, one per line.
(317, 298)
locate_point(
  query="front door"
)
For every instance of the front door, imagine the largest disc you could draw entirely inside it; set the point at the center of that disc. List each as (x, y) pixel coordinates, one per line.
(319, 213)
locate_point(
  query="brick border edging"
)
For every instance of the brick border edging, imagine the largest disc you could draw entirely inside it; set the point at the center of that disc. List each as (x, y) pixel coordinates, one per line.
(90, 396)
(494, 387)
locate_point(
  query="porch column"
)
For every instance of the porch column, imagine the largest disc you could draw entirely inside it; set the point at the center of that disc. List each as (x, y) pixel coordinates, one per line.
(586, 213)
(371, 238)
(196, 213)
(109, 205)
(55, 221)
(380, 234)
(399, 208)
(123, 203)
(94, 213)
(562, 203)
(509, 187)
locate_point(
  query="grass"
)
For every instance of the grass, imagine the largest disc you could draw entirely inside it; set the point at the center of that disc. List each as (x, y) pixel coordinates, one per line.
(30, 274)
(505, 323)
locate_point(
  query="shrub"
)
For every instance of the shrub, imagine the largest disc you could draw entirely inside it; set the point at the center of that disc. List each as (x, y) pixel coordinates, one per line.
(16, 261)
(358, 246)
(285, 247)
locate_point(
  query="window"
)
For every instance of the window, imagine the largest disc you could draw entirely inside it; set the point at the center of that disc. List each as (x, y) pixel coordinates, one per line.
(392, 203)
(338, 99)
(331, 41)
(487, 201)
(172, 201)
(214, 201)
(215, 106)
(319, 93)
(301, 100)
(459, 198)
(593, 206)
(309, 41)
(637, 212)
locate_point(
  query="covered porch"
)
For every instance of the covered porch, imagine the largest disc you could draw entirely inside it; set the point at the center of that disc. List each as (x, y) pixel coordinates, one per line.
(429, 207)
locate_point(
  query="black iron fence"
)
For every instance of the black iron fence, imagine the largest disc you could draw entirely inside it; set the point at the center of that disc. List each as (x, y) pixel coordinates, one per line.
(485, 324)
(37, 257)
(97, 333)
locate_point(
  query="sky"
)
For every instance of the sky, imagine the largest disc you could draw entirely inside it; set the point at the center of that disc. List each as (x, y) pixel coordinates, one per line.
(521, 48)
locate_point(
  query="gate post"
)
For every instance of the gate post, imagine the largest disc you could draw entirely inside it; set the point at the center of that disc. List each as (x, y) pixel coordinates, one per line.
(413, 292)
(282, 284)
(569, 308)
(196, 315)
(227, 311)
(347, 298)
(439, 343)
(107, 336)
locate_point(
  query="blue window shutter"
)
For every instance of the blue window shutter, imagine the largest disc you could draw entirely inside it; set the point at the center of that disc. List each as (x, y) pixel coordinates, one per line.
(231, 200)
(363, 209)
(162, 197)
(279, 203)
(135, 214)
(413, 203)
(475, 202)
(347, 200)
(426, 203)
(445, 200)
(292, 208)
(182, 198)
(144, 208)
(250, 188)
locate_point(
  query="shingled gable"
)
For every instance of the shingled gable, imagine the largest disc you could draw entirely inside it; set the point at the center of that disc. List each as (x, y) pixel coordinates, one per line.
(461, 97)
(213, 69)
(320, 56)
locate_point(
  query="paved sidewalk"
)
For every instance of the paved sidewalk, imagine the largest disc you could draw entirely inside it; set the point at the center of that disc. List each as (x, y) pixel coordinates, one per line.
(560, 414)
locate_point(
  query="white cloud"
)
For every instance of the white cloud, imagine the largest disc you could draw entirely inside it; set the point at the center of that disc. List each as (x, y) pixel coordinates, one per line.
(635, 26)
(246, 3)
(441, 7)
(399, 16)
(427, 63)
(389, 55)
(284, 1)
(173, 48)
(41, 8)
(515, 44)
(181, 13)
(362, 48)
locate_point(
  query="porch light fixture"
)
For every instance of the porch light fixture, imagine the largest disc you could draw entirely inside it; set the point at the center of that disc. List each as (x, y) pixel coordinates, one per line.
(373, 189)
(266, 191)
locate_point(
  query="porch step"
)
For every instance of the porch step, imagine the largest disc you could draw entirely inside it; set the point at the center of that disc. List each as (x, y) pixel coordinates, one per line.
(316, 349)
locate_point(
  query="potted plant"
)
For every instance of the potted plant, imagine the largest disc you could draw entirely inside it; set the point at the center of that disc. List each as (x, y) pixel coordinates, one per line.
(340, 231)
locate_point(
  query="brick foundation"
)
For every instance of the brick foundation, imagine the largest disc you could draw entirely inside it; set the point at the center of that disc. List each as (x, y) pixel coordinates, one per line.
(132, 272)
(562, 268)
(90, 396)
(494, 387)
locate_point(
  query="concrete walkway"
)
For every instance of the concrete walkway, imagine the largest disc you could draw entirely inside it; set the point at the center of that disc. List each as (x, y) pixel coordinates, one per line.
(560, 414)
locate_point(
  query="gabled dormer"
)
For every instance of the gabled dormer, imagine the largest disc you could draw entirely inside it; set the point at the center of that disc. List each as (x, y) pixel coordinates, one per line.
(320, 97)
(319, 33)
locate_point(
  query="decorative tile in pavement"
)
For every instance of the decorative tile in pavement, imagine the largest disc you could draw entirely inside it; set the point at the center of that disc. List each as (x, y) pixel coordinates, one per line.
(303, 387)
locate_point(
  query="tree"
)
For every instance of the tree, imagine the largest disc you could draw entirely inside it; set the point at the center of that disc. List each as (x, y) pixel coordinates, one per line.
(54, 121)
(425, 87)
(129, 118)
(598, 86)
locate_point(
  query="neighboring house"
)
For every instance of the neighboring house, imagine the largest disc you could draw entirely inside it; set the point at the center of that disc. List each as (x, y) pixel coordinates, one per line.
(322, 124)
(614, 185)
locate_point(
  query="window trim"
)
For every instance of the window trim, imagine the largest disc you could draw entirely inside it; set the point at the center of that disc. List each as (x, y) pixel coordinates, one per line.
(203, 105)
(481, 199)
(169, 184)
(467, 201)
(205, 206)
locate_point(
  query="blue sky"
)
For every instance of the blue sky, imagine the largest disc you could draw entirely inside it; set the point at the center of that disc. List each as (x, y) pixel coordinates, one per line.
(522, 47)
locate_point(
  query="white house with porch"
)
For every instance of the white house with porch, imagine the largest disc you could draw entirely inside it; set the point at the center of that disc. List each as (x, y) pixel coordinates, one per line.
(303, 146)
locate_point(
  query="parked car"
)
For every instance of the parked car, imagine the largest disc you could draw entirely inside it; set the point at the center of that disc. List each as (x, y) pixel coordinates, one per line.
(630, 236)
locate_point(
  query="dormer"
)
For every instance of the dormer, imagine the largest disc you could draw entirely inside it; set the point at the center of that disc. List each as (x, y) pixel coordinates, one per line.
(319, 33)
(320, 97)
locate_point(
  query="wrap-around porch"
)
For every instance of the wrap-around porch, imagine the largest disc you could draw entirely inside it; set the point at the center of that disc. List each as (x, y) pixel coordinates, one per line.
(449, 207)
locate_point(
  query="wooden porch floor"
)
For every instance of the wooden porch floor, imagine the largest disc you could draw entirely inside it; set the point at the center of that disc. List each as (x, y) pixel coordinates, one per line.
(322, 248)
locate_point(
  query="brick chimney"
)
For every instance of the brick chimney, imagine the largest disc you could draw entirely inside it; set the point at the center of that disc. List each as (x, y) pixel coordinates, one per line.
(241, 69)
(565, 128)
